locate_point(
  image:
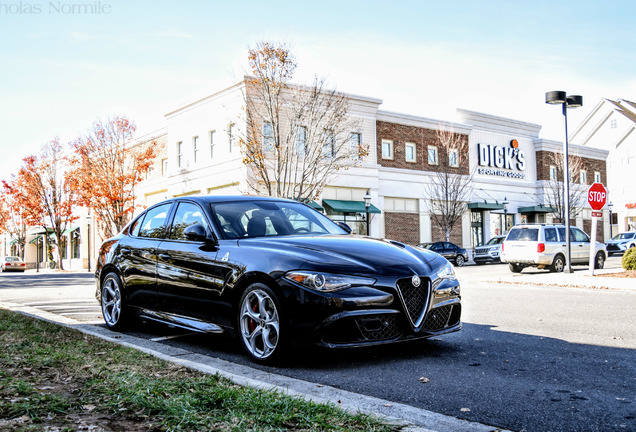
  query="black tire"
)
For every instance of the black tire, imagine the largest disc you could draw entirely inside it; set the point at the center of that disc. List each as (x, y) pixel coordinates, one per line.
(260, 327)
(599, 260)
(459, 260)
(114, 307)
(515, 268)
(558, 265)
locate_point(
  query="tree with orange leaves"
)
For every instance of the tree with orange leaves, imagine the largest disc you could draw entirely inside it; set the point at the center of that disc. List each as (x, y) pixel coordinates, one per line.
(12, 218)
(106, 167)
(42, 193)
(297, 137)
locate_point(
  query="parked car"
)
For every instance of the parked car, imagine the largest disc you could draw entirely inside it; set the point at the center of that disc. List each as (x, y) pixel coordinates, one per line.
(448, 250)
(542, 245)
(12, 263)
(271, 271)
(621, 242)
(490, 252)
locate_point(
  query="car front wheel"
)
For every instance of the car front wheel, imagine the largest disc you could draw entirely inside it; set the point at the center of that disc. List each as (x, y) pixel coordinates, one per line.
(259, 323)
(599, 261)
(459, 260)
(114, 306)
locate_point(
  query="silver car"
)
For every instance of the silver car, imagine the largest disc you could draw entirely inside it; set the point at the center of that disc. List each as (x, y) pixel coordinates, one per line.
(621, 242)
(490, 252)
(544, 246)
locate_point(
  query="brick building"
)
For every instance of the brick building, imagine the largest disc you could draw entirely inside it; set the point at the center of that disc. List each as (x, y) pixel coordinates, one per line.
(507, 163)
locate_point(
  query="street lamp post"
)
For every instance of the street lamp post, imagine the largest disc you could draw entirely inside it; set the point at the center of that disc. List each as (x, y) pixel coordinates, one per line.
(505, 206)
(367, 204)
(88, 237)
(610, 206)
(556, 98)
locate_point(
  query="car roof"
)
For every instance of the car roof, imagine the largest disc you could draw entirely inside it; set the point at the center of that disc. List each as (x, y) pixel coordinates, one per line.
(225, 198)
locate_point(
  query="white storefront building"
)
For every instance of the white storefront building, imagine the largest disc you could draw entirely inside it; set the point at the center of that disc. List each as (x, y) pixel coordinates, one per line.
(507, 158)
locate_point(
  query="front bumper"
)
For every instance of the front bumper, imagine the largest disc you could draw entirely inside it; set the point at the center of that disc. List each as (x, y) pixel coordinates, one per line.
(390, 311)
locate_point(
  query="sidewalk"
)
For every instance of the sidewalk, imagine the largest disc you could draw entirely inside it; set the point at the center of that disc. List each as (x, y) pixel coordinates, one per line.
(579, 278)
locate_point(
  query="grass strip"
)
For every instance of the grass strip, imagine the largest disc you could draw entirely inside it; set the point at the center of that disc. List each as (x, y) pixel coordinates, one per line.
(56, 378)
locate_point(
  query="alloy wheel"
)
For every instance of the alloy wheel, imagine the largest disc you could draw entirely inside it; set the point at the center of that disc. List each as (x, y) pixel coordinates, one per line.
(259, 324)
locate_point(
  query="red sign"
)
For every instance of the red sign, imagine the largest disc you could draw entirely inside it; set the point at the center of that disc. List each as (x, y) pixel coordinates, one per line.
(597, 214)
(597, 196)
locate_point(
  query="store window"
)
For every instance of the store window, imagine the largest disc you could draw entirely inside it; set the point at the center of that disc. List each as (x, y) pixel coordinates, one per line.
(268, 137)
(179, 153)
(409, 152)
(453, 157)
(476, 228)
(300, 144)
(211, 144)
(195, 148)
(432, 155)
(355, 141)
(387, 149)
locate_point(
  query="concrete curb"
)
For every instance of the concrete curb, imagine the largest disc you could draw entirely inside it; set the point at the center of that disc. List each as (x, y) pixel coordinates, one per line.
(411, 419)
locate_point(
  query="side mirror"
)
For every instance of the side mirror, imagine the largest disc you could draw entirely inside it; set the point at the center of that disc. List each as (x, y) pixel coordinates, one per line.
(195, 232)
(345, 227)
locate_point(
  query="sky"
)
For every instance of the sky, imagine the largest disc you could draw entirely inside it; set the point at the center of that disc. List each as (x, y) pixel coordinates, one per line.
(65, 64)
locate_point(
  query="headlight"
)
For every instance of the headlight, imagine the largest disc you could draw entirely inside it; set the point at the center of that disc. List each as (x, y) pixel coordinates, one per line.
(447, 272)
(326, 282)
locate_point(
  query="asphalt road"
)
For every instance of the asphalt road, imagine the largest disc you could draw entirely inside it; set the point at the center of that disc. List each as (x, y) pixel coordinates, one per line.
(531, 358)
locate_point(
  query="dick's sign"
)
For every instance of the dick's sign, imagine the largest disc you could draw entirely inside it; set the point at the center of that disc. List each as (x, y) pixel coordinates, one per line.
(502, 161)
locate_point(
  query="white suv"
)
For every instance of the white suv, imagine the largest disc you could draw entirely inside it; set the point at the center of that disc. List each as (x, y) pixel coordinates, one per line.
(541, 246)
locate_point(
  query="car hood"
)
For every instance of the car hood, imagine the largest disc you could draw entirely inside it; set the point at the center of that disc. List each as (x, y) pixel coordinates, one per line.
(350, 254)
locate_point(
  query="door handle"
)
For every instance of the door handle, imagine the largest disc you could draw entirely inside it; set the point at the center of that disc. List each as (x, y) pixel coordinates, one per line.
(165, 257)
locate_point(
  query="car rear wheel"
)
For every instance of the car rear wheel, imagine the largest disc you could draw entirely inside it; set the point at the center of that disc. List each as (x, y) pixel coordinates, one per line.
(599, 261)
(114, 306)
(558, 264)
(515, 268)
(459, 260)
(259, 323)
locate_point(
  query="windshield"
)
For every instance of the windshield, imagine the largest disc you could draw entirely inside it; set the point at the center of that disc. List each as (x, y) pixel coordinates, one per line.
(523, 234)
(623, 236)
(12, 259)
(248, 219)
(494, 241)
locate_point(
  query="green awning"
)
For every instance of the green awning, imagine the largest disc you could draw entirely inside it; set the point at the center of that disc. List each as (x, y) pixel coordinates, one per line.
(12, 242)
(315, 205)
(70, 230)
(35, 239)
(340, 206)
(536, 209)
(484, 206)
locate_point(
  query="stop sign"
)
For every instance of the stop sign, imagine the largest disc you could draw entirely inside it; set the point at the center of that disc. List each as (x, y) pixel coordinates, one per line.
(597, 196)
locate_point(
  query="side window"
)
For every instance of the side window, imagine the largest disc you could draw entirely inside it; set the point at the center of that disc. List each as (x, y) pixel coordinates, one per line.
(551, 235)
(134, 228)
(578, 235)
(187, 214)
(154, 223)
(562, 234)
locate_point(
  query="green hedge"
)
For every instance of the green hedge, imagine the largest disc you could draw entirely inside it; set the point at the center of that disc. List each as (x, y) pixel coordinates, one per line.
(629, 259)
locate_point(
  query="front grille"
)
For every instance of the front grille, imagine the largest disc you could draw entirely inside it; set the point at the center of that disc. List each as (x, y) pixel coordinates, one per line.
(379, 328)
(437, 319)
(415, 299)
(612, 247)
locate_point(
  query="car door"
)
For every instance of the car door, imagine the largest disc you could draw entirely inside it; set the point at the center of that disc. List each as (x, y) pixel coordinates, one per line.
(137, 256)
(580, 245)
(187, 278)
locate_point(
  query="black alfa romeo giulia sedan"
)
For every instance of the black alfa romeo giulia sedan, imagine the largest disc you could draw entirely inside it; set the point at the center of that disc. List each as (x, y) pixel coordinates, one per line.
(272, 271)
